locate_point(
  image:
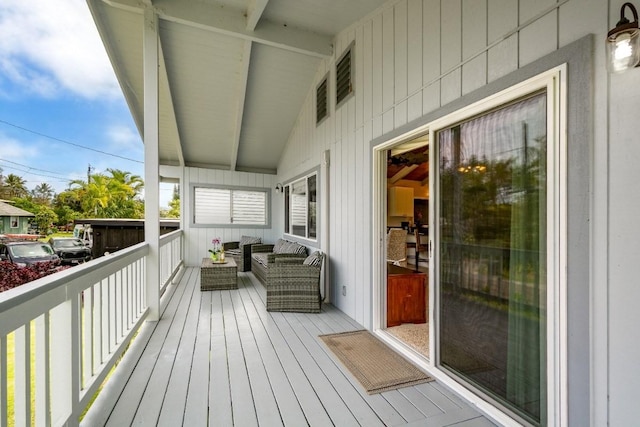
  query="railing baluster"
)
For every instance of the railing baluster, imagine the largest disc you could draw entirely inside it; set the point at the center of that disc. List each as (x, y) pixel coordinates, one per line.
(61, 358)
(42, 371)
(117, 278)
(87, 336)
(3, 381)
(97, 324)
(113, 331)
(22, 376)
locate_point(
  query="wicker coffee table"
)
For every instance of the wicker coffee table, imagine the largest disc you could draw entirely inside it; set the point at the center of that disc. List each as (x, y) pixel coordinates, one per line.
(216, 276)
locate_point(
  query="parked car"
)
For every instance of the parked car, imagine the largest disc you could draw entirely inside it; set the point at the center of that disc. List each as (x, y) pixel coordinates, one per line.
(23, 254)
(71, 250)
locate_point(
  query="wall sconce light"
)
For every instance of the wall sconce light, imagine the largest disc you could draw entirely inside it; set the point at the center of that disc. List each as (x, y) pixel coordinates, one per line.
(623, 43)
(279, 188)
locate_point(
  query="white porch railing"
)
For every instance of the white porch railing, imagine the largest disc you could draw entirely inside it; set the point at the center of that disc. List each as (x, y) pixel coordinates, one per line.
(69, 329)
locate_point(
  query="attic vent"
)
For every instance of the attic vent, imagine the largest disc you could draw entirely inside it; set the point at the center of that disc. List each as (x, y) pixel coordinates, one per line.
(322, 106)
(344, 84)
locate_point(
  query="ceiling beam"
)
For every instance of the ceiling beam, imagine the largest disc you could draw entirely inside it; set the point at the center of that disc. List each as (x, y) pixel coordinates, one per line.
(242, 91)
(402, 173)
(234, 23)
(166, 96)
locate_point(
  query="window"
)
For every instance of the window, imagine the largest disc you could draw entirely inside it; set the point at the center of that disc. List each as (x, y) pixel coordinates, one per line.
(229, 206)
(344, 77)
(301, 198)
(322, 104)
(14, 222)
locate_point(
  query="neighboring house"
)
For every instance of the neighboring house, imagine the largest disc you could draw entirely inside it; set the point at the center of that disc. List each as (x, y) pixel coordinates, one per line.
(14, 220)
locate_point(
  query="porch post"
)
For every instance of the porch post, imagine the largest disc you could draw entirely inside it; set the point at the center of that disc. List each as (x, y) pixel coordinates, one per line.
(151, 168)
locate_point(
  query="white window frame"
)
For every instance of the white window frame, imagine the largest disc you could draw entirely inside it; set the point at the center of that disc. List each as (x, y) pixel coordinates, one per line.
(231, 189)
(12, 220)
(287, 214)
(555, 83)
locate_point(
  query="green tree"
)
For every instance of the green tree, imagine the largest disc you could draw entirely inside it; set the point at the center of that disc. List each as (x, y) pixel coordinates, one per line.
(44, 218)
(43, 194)
(174, 204)
(65, 214)
(15, 186)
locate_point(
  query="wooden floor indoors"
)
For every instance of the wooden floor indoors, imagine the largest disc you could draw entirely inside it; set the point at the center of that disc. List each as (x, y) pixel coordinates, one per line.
(218, 358)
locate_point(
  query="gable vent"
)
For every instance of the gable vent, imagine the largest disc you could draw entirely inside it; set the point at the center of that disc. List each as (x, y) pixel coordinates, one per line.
(322, 106)
(344, 85)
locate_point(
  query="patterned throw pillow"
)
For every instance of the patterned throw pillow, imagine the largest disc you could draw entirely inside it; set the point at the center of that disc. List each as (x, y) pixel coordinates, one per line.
(277, 248)
(314, 259)
(249, 240)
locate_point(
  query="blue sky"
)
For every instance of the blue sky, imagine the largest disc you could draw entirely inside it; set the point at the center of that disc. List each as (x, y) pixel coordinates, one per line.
(57, 84)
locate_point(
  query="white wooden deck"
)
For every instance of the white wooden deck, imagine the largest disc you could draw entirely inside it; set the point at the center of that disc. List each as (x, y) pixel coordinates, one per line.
(219, 358)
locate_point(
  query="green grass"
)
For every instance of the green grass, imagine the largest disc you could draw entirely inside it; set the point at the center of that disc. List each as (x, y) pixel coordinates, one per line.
(11, 376)
(59, 234)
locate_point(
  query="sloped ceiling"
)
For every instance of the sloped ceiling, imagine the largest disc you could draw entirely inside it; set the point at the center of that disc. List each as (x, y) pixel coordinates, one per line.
(233, 74)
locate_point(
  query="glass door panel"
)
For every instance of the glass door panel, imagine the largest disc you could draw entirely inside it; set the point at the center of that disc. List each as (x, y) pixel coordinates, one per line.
(492, 254)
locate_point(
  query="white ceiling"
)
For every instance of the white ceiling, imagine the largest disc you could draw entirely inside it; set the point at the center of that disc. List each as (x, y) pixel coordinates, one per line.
(233, 73)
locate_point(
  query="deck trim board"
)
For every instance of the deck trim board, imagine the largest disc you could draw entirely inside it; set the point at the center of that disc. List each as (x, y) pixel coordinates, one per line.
(128, 403)
(220, 358)
(343, 381)
(337, 409)
(304, 393)
(154, 395)
(244, 411)
(287, 402)
(262, 391)
(369, 408)
(196, 407)
(421, 402)
(173, 406)
(220, 411)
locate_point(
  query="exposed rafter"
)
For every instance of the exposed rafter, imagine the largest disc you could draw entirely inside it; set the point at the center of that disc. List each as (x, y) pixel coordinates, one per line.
(402, 173)
(242, 91)
(254, 13)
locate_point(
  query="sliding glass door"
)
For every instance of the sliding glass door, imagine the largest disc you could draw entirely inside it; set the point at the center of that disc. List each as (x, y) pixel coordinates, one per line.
(492, 268)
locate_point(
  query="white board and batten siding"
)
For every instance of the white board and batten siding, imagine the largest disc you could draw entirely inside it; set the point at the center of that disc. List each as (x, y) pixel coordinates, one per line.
(198, 239)
(413, 57)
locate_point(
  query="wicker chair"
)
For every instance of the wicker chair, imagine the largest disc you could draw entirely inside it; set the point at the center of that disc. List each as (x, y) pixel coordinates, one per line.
(241, 251)
(397, 247)
(294, 286)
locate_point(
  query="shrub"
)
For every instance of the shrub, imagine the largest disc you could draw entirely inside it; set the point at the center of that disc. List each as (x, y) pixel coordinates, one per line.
(12, 276)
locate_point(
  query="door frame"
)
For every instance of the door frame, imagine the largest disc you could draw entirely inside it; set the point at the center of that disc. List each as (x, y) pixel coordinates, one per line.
(555, 82)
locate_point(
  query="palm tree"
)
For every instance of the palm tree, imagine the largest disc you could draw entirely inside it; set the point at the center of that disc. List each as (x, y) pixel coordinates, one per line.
(97, 195)
(126, 179)
(43, 193)
(15, 186)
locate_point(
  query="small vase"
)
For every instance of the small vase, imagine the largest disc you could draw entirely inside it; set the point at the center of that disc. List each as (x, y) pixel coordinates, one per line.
(214, 257)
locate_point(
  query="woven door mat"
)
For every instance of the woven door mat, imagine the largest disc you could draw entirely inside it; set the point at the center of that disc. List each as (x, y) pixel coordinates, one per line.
(376, 366)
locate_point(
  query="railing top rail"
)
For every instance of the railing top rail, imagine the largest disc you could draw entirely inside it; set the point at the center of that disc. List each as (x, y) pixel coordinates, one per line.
(165, 238)
(28, 291)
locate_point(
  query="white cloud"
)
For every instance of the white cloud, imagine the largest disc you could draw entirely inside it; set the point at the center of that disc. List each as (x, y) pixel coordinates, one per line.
(15, 150)
(50, 47)
(123, 136)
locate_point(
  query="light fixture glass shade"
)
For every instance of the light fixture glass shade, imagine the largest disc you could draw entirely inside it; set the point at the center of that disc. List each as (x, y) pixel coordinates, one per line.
(623, 50)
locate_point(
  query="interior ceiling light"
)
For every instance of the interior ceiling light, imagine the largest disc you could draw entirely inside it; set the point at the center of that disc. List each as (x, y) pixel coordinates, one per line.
(623, 42)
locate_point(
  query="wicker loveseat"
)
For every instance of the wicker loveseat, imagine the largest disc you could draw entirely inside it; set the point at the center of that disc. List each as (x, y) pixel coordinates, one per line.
(241, 251)
(292, 279)
(263, 256)
(295, 286)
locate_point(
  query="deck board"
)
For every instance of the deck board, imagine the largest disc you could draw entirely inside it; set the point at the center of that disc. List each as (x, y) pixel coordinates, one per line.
(219, 358)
